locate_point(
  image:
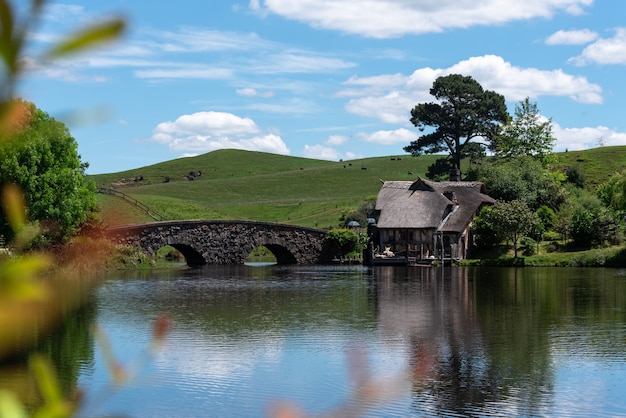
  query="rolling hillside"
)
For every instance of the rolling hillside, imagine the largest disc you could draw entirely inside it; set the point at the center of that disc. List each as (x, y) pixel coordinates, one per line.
(234, 184)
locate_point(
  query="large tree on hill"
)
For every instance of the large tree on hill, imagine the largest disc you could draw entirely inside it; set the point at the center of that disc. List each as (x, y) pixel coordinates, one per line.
(464, 111)
(528, 134)
(43, 161)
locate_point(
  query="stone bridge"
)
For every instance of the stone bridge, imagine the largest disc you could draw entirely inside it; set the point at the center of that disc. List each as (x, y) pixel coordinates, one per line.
(225, 242)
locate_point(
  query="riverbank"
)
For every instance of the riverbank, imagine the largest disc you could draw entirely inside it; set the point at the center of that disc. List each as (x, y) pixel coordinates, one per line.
(614, 256)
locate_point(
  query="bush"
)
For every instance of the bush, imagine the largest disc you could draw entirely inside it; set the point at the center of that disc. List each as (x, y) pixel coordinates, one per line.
(341, 241)
(528, 246)
(551, 236)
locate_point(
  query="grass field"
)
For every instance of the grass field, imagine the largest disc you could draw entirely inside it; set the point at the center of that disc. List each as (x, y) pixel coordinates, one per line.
(237, 184)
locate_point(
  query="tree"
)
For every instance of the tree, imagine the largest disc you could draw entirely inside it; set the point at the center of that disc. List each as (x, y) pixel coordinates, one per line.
(591, 223)
(464, 112)
(613, 192)
(342, 241)
(522, 178)
(364, 211)
(43, 161)
(507, 220)
(528, 134)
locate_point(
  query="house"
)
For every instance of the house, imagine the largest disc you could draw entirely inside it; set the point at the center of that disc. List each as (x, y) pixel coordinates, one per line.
(419, 221)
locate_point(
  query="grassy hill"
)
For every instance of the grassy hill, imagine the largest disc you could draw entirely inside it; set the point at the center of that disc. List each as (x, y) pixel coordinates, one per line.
(235, 184)
(596, 164)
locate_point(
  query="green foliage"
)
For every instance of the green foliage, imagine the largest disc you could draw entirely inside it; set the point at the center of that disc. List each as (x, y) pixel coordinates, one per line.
(524, 179)
(548, 217)
(528, 246)
(128, 256)
(43, 161)
(506, 220)
(342, 241)
(440, 170)
(464, 111)
(595, 165)
(602, 257)
(591, 223)
(527, 135)
(613, 192)
(360, 215)
(575, 177)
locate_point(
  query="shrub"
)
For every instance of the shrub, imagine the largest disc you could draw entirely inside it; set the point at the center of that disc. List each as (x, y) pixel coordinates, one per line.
(528, 246)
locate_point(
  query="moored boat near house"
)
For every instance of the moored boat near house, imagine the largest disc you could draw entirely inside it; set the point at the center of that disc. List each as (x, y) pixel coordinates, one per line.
(422, 221)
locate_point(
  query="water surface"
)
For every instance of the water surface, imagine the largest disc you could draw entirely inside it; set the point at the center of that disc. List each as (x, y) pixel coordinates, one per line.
(355, 341)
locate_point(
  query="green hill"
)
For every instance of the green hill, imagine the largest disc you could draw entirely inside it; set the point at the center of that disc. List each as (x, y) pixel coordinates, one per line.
(596, 165)
(235, 184)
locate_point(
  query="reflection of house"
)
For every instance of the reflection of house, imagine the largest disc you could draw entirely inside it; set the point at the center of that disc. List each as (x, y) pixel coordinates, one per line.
(425, 220)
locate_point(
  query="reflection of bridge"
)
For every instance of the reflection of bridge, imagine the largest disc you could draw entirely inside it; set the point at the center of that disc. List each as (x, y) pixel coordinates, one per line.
(225, 242)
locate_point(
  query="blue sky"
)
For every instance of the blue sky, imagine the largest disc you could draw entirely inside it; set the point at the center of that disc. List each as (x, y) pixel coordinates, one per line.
(328, 79)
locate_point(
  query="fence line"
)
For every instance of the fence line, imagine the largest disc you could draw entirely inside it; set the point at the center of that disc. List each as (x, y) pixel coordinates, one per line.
(132, 201)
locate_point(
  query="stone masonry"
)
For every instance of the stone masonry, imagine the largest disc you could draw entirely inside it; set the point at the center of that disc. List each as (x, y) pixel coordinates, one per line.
(225, 242)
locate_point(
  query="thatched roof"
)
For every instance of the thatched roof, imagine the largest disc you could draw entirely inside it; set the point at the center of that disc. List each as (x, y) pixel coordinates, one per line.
(446, 206)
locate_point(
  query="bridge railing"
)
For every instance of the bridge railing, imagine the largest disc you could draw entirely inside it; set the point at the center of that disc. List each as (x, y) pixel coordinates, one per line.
(132, 201)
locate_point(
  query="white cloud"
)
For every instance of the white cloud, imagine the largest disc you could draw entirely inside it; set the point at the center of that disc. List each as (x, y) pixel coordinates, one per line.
(517, 83)
(207, 131)
(604, 51)
(390, 98)
(337, 140)
(572, 37)
(252, 92)
(321, 152)
(63, 12)
(393, 107)
(189, 53)
(395, 18)
(295, 106)
(59, 70)
(299, 62)
(574, 139)
(398, 136)
(186, 72)
(191, 39)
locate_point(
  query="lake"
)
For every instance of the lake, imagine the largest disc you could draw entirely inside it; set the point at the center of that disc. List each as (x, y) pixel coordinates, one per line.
(250, 341)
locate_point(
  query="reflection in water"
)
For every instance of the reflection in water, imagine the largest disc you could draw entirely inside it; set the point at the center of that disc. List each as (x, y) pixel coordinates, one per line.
(70, 350)
(472, 341)
(432, 310)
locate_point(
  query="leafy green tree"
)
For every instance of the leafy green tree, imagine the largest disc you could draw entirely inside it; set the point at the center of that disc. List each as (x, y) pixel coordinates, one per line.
(591, 223)
(574, 176)
(522, 178)
(439, 170)
(507, 220)
(43, 161)
(527, 134)
(364, 211)
(464, 111)
(548, 217)
(342, 241)
(486, 230)
(613, 192)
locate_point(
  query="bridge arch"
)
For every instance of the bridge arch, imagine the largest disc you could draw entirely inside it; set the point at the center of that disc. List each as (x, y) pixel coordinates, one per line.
(192, 256)
(225, 242)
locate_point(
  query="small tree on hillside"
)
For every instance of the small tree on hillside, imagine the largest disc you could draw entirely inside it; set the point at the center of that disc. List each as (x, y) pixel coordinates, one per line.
(464, 112)
(507, 220)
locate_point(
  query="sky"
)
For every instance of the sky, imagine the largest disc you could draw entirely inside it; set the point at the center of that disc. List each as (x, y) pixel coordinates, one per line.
(325, 79)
